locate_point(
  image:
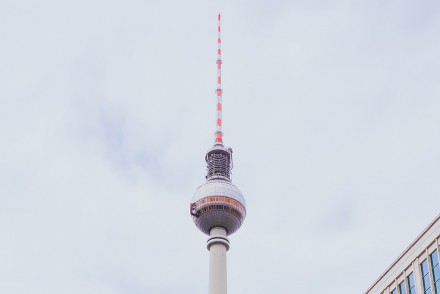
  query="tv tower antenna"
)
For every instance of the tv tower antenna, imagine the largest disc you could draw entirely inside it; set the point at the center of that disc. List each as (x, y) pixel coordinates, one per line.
(219, 91)
(218, 208)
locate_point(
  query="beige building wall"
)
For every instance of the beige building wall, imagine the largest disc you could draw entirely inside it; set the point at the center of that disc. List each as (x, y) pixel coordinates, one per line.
(409, 262)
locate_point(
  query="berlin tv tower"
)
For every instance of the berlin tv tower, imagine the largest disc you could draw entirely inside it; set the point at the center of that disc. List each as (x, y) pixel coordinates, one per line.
(218, 208)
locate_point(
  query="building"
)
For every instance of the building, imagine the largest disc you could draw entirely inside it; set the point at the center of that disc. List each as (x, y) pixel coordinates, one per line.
(218, 208)
(417, 269)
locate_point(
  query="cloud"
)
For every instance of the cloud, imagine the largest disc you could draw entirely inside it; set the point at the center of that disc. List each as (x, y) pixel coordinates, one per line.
(108, 109)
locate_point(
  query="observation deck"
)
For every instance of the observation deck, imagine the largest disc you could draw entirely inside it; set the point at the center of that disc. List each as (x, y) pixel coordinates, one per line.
(218, 202)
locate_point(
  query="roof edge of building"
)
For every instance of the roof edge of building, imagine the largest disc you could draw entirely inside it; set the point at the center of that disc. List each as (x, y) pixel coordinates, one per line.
(437, 218)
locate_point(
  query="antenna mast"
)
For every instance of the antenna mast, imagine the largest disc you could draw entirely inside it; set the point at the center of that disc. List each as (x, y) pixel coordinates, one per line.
(219, 91)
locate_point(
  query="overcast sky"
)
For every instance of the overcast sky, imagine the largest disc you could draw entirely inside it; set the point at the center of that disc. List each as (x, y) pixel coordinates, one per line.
(108, 107)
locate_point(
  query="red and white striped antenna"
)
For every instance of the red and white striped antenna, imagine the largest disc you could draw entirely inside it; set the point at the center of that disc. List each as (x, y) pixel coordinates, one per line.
(219, 91)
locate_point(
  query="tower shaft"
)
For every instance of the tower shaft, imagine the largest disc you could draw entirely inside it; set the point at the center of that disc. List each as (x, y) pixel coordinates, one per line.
(218, 245)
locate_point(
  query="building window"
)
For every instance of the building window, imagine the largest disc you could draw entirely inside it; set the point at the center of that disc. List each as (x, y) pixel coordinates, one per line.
(411, 284)
(402, 288)
(425, 277)
(394, 291)
(435, 271)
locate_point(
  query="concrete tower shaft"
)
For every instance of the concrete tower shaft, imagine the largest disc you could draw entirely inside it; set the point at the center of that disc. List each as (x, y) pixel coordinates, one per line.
(218, 245)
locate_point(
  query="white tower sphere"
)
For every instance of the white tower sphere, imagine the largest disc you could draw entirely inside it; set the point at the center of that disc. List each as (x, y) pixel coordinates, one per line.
(218, 203)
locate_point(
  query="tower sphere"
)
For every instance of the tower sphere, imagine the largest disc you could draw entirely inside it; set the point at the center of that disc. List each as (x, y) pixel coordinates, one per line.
(218, 203)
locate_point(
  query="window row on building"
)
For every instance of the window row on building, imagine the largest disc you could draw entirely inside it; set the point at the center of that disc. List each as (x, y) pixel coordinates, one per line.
(422, 277)
(417, 269)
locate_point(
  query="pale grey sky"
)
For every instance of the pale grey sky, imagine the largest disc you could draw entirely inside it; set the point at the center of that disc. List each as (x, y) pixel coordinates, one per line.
(108, 107)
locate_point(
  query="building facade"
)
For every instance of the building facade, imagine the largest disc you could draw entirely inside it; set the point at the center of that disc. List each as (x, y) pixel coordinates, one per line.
(417, 269)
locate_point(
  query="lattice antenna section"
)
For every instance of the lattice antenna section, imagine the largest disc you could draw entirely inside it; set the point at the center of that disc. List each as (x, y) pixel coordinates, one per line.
(218, 164)
(219, 91)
